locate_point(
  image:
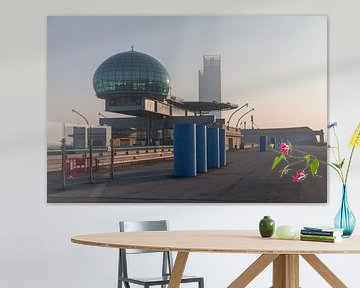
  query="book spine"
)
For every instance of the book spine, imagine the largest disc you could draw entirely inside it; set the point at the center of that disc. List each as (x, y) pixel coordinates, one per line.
(317, 239)
(320, 233)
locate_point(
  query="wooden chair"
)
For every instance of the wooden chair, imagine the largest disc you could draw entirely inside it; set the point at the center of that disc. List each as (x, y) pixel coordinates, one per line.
(167, 262)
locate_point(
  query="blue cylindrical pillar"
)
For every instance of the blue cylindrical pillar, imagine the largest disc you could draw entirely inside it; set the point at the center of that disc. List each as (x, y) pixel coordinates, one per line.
(222, 147)
(263, 143)
(184, 149)
(213, 153)
(274, 141)
(201, 149)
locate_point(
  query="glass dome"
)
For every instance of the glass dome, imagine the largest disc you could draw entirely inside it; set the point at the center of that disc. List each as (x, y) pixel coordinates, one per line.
(131, 73)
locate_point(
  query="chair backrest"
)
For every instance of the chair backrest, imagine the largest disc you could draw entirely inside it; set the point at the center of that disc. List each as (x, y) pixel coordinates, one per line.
(133, 226)
(137, 226)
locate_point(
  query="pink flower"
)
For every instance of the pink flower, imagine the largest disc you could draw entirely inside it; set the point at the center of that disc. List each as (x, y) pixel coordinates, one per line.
(284, 148)
(299, 176)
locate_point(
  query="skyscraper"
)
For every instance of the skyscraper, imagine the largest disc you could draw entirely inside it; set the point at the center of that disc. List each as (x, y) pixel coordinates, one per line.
(210, 81)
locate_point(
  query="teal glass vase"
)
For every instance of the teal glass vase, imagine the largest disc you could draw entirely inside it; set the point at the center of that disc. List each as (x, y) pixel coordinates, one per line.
(345, 219)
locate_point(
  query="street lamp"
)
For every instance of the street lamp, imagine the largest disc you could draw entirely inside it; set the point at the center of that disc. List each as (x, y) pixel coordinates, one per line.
(89, 143)
(112, 152)
(237, 124)
(237, 110)
(74, 111)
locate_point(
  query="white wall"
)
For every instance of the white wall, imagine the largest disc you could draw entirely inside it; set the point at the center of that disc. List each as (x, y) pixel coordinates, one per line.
(35, 248)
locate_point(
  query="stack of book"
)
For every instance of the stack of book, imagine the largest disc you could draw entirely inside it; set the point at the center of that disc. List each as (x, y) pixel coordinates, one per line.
(321, 234)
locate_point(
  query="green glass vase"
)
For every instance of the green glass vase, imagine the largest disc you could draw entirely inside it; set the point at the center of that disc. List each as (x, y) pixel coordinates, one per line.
(266, 227)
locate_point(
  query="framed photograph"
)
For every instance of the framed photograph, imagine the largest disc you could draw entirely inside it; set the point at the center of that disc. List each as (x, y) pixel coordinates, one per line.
(185, 109)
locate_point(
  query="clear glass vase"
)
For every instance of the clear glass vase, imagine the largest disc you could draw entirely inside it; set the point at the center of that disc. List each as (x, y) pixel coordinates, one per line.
(345, 219)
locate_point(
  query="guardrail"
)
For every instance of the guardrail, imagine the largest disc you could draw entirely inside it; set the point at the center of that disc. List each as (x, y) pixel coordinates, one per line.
(121, 156)
(108, 149)
(71, 166)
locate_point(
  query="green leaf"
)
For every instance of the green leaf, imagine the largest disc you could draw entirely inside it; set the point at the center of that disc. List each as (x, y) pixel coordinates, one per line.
(339, 166)
(307, 157)
(336, 165)
(277, 160)
(271, 146)
(314, 165)
(342, 163)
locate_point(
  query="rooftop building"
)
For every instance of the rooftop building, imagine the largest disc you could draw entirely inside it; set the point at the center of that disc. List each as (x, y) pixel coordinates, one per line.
(136, 84)
(210, 81)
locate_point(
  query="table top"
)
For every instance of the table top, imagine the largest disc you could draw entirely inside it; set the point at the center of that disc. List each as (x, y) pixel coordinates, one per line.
(216, 241)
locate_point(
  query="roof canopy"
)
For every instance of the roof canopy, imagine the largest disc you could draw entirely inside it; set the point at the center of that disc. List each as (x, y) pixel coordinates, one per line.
(208, 106)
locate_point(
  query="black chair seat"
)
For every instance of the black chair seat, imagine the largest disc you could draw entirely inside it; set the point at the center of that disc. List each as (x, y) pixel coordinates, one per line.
(158, 280)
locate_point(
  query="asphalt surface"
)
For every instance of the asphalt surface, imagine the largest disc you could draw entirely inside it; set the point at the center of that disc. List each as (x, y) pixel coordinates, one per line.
(247, 178)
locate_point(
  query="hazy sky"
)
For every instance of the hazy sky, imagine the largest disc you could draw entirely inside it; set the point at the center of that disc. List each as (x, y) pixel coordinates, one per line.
(278, 64)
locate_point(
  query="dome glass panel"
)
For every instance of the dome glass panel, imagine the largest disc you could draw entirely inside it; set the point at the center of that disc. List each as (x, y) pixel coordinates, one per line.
(131, 71)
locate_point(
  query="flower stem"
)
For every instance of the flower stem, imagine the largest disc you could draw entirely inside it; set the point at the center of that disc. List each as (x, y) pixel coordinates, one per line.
(337, 144)
(339, 171)
(350, 159)
(339, 160)
(348, 167)
(333, 152)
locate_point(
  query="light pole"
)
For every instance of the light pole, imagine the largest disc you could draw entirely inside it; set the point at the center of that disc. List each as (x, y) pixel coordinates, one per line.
(89, 143)
(237, 124)
(112, 152)
(237, 110)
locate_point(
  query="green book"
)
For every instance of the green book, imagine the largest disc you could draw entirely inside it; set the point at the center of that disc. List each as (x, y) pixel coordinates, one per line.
(319, 236)
(325, 240)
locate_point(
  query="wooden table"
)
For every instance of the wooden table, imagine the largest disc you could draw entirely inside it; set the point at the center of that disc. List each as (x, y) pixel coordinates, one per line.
(284, 254)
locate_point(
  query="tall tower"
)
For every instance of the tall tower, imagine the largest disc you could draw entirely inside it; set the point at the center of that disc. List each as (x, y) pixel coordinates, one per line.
(210, 81)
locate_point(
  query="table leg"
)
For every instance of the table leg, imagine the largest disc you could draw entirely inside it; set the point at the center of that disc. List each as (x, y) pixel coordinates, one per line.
(324, 271)
(178, 269)
(253, 270)
(286, 271)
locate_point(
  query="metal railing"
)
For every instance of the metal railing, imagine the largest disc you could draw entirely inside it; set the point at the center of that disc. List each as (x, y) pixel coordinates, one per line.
(73, 166)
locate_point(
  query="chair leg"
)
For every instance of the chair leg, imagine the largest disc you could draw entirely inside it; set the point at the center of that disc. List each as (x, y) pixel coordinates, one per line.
(126, 284)
(201, 283)
(120, 282)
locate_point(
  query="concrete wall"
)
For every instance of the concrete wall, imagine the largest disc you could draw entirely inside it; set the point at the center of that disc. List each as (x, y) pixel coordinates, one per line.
(296, 136)
(35, 243)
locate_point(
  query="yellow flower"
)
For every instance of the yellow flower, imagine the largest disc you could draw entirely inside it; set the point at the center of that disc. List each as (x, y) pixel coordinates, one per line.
(355, 138)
